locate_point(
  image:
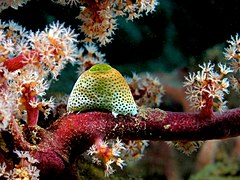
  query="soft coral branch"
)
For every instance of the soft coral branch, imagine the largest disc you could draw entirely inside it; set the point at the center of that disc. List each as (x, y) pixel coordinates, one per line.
(11, 65)
(74, 133)
(15, 63)
(32, 112)
(28, 95)
(207, 110)
(19, 61)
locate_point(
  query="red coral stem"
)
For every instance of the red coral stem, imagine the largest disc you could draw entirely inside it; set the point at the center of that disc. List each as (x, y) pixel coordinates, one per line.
(75, 133)
(18, 61)
(32, 113)
(207, 110)
(15, 63)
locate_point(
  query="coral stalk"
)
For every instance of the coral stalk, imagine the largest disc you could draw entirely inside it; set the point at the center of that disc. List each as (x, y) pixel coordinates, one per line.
(15, 63)
(32, 113)
(74, 133)
(207, 110)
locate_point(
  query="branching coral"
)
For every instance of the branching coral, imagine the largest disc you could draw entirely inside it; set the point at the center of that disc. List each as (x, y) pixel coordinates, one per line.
(35, 56)
(208, 86)
(99, 17)
(29, 59)
(75, 133)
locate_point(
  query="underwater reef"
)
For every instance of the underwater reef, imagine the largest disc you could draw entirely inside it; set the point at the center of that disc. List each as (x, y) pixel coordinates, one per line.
(119, 89)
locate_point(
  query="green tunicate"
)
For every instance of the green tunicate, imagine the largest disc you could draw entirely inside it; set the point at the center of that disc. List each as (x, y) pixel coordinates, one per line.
(100, 68)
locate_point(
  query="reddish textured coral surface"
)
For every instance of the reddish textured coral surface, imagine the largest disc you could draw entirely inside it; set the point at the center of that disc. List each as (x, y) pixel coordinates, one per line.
(15, 63)
(75, 133)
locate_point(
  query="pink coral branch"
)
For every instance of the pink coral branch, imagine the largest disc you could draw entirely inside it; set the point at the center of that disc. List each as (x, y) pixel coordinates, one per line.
(74, 133)
(32, 113)
(18, 62)
(15, 63)
(11, 65)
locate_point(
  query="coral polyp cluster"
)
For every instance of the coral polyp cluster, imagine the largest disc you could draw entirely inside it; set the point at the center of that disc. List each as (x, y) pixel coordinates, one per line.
(116, 152)
(232, 54)
(89, 55)
(26, 168)
(99, 17)
(147, 89)
(4, 4)
(206, 88)
(108, 153)
(27, 59)
(187, 147)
